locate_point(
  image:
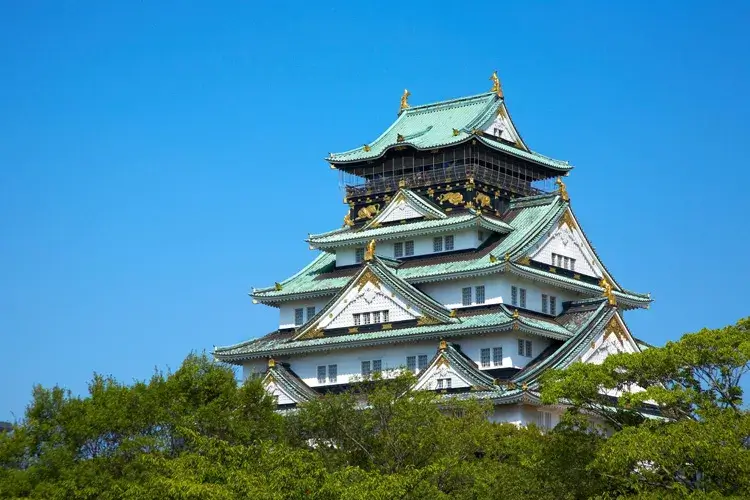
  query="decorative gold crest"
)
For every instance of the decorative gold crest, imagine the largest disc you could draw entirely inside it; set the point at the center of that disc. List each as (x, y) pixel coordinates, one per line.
(453, 198)
(563, 189)
(608, 291)
(497, 88)
(405, 100)
(482, 200)
(348, 220)
(427, 320)
(368, 212)
(367, 277)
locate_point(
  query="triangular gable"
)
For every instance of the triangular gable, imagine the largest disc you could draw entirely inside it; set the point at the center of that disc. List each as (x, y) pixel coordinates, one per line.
(406, 205)
(567, 239)
(614, 338)
(502, 127)
(450, 364)
(284, 386)
(375, 289)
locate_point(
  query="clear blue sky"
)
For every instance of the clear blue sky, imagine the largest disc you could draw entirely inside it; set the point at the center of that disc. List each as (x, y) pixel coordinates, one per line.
(157, 159)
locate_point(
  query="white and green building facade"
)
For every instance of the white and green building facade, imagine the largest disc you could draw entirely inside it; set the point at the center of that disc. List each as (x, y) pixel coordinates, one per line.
(460, 259)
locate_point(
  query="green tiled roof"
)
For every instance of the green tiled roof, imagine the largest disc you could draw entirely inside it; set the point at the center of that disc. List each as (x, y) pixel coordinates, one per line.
(463, 366)
(289, 383)
(432, 126)
(279, 345)
(349, 236)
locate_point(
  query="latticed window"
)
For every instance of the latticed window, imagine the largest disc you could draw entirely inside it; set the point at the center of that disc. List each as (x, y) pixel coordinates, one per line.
(322, 374)
(422, 362)
(544, 420)
(377, 365)
(357, 319)
(523, 297)
(466, 296)
(484, 356)
(398, 249)
(332, 373)
(437, 244)
(365, 368)
(572, 265)
(514, 295)
(520, 347)
(365, 318)
(449, 242)
(411, 363)
(409, 248)
(299, 316)
(497, 356)
(310, 312)
(376, 317)
(545, 303)
(528, 348)
(359, 255)
(443, 383)
(553, 305)
(385, 316)
(479, 294)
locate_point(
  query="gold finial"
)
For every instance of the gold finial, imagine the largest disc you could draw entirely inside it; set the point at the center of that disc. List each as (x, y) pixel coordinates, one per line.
(608, 292)
(405, 100)
(370, 250)
(453, 313)
(401, 183)
(524, 386)
(455, 132)
(443, 345)
(507, 256)
(563, 189)
(496, 87)
(348, 220)
(271, 363)
(400, 138)
(367, 148)
(278, 286)
(493, 259)
(515, 314)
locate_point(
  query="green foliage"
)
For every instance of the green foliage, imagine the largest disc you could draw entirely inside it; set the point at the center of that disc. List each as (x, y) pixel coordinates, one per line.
(198, 434)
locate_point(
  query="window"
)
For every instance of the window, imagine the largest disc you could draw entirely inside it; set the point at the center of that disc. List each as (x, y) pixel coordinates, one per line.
(398, 249)
(497, 356)
(299, 316)
(568, 263)
(359, 255)
(523, 297)
(365, 368)
(553, 305)
(377, 365)
(466, 296)
(572, 265)
(524, 348)
(322, 374)
(449, 242)
(357, 319)
(368, 318)
(443, 383)
(411, 363)
(365, 318)
(437, 244)
(332, 373)
(484, 355)
(479, 294)
(310, 312)
(514, 296)
(385, 316)
(422, 362)
(409, 248)
(376, 317)
(545, 305)
(544, 420)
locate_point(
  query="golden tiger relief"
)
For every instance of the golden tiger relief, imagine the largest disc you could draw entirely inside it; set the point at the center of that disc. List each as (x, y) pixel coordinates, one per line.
(368, 212)
(454, 198)
(482, 200)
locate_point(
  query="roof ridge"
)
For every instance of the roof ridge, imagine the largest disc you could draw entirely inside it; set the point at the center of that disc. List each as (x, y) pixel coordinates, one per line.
(447, 102)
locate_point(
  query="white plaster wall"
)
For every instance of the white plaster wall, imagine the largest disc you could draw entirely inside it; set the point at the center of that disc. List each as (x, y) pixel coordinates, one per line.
(568, 243)
(523, 415)
(462, 240)
(370, 298)
(497, 290)
(348, 361)
(286, 310)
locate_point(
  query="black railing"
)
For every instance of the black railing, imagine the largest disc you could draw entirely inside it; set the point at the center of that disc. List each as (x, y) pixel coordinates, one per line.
(457, 170)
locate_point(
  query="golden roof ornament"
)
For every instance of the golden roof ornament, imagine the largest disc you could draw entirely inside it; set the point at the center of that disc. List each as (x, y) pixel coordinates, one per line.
(453, 313)
(455, 132)
(370, 251)
(493, 259)
(443, 345)
(348, 220)
(277, 286)
(515, 314)
(497, 88)
(608, 292)
(367, 148)
(405, 100)
(400, 138)
(271, 363)
(401, 183)
(563, 189)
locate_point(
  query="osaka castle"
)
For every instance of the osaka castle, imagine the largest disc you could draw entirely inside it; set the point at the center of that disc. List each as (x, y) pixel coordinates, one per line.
(460, 259)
